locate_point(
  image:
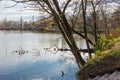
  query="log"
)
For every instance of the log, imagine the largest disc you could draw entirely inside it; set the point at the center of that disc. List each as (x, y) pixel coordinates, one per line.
(86, 50)
(82, 50)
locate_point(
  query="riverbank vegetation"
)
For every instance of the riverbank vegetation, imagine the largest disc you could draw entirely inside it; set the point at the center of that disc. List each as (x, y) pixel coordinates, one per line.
(107, 62)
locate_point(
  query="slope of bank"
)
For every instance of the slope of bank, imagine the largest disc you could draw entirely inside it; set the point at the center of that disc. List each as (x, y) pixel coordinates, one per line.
(107, 62)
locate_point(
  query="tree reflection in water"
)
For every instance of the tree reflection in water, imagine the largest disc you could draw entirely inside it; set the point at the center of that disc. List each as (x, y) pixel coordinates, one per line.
(61, 48)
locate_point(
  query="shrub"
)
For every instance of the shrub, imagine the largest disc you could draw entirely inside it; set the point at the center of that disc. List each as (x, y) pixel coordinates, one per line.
(104, 43)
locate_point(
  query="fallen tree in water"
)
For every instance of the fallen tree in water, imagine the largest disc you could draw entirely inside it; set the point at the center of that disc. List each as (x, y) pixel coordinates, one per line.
(82, 50)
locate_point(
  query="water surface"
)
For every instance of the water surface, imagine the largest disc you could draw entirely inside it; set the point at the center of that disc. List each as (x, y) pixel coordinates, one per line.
(36, 63)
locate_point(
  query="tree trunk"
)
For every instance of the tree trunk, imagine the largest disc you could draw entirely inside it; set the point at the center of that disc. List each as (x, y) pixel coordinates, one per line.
(94, 22)
(64, 27)
(67, 34)
(84, 6)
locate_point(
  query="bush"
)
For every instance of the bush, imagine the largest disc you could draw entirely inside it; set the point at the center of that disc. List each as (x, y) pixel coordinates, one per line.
(104, 43)
(99, 46)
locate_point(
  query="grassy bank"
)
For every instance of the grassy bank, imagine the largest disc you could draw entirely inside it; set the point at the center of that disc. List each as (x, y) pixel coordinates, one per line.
(107, 62)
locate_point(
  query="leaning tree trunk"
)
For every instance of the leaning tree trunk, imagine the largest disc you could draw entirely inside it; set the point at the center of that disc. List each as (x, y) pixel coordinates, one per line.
(68, 36)
(66, 30)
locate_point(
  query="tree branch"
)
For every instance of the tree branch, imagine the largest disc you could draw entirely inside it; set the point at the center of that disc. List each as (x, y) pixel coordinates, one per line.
(66, 5)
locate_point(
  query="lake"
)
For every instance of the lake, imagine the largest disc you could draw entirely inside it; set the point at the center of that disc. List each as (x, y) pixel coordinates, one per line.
(23, 56)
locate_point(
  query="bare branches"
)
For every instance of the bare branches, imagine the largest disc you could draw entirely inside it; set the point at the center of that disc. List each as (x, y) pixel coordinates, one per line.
(12, 5)
(66, 5)
(57, 6)
(22, 1)
(44, 7)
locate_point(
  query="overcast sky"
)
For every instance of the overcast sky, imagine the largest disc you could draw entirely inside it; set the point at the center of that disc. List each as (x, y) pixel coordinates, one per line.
(14, 13)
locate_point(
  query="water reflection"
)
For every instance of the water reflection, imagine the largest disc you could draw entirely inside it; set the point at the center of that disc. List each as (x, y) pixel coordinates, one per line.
(22, 57)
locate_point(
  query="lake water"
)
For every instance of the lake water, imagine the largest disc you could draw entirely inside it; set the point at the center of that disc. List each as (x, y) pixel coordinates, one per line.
(35, 63)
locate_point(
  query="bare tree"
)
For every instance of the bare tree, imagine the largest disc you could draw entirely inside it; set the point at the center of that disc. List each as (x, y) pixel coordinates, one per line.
(94, 5)
(58, 12)
(84, 8)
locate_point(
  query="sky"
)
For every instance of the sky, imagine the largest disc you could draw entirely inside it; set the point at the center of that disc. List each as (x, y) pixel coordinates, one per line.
(15, 13)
